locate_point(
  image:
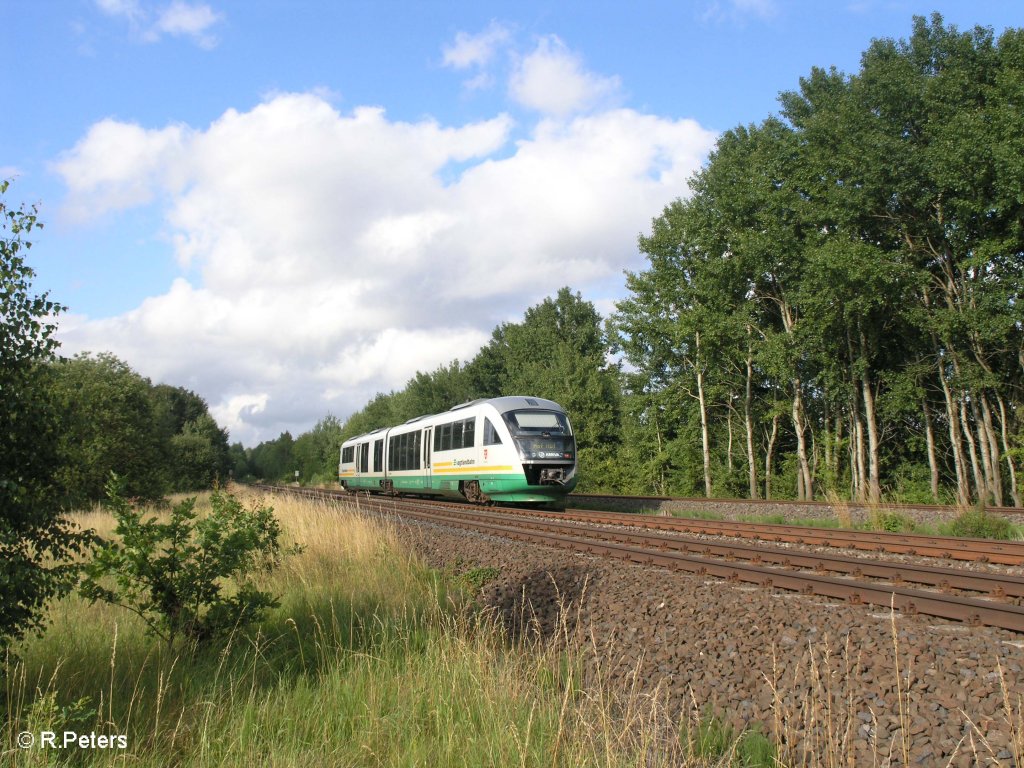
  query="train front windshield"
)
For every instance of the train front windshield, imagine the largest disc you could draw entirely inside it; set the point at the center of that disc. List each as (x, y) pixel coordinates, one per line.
(541, 435)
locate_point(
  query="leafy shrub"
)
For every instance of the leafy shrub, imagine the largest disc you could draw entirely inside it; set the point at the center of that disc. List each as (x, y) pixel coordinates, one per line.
(36, 540)
(892, 522)
(174, 575)
(978, 524)
(476, 578)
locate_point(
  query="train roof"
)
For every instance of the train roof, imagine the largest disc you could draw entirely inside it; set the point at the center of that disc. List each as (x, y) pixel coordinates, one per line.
(517, 402)
(501, 404)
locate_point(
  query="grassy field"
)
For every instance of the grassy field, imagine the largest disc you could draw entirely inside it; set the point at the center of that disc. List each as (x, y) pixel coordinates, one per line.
(371, 659)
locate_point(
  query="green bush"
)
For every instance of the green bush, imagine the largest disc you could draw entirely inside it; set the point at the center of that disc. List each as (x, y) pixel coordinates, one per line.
(891, 522)
(174, 575)
(978, 524)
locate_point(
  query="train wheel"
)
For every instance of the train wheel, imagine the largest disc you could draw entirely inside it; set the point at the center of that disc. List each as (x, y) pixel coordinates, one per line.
(471, 490)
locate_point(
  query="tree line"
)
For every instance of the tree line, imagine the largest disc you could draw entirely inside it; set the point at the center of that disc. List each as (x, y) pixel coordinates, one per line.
(74, 421)
(842, 292)
(314, 455)
(75, 431)
(835, 309)
(158, 438)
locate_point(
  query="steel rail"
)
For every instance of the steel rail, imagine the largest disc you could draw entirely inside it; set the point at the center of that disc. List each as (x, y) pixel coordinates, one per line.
(812, 503)
(947, 547)
(997, 585)
(911, 601)
(950, 547)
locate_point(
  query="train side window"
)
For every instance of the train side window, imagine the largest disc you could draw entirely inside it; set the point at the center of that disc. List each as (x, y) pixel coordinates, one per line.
(455, 435)
(491, 436)
(405, 452)
(396, 453)
(346, 455)
(364, 457)
(378, 455)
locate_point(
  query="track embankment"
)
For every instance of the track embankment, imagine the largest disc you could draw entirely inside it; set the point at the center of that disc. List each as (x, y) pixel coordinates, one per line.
(868, 685)
(785, 509)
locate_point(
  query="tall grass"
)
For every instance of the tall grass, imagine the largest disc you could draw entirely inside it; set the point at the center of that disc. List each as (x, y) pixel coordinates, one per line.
(370, 659)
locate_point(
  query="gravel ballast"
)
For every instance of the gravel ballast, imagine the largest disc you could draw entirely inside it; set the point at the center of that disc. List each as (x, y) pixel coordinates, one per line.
(822, 677)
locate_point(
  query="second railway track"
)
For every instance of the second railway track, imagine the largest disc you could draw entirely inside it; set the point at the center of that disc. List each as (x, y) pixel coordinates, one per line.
(952, 593)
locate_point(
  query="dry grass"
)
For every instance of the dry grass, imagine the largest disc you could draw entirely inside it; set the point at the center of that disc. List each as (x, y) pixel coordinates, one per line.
(372, 659)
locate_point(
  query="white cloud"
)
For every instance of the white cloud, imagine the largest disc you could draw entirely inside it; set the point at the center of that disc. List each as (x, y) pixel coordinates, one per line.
(764, 9)
(740, 11)
(332, 255)
(129, 9)
(553, 80)
(236, 411)
(475, 50)
(179, 19)
(477, 53)
(120, 165)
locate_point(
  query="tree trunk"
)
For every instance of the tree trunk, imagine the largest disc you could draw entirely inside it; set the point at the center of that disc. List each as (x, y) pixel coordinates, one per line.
(874, 490)
(836, 450)
(993, 449)
(1014, 490)
(728, 448)
(827, 442)
(963, 491)
(972, 452)
(661, 463)
(704, 433)
(929, 436)
(769, 457)
(874, 484)
(805, 487)
(988, 492)
(861, 479)
(749, 424)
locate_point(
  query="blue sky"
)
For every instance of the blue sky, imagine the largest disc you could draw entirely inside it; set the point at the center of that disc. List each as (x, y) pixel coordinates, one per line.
(289, 206)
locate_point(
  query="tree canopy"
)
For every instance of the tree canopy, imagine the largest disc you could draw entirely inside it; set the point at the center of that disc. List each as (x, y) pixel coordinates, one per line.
(35, 539)
(844, 284)
(158, 439)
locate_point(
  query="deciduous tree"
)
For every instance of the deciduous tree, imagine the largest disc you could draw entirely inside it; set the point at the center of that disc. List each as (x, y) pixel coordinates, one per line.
(35, 539)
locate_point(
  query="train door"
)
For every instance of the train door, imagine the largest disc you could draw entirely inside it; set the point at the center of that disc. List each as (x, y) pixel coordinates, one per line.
(427, 448)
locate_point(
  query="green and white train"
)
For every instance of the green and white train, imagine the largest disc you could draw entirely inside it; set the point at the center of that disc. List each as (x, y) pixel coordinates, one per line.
(503, 449)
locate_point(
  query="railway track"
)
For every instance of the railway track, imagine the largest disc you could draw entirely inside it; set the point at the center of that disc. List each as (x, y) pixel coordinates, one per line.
(757, 506)
(972, 596)
(949, 547)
